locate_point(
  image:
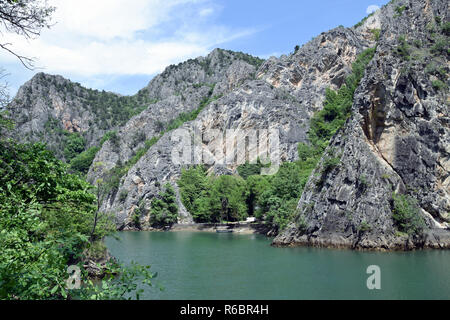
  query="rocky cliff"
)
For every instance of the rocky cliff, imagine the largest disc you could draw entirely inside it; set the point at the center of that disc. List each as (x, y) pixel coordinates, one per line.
(179, 90)
(50, 108)
(281, 94)
(394, 150)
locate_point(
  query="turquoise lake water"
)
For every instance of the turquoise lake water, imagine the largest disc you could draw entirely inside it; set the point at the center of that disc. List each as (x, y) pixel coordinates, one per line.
(195, 265)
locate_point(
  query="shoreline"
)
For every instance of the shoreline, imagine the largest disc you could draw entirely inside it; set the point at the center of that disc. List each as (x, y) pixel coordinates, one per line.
(239, 228)
(404, 244)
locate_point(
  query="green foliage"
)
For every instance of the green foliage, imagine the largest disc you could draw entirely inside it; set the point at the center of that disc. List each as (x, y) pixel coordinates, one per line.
(74, 144)
(399, 11)
(406, 215)
(190, 116)
(227, 198)
(96, 250)
(271, 198)
(376, 34)
(359, 24)
(440, 46)
(417, 43)
(363, 181)
(113, 110)
(193, 183)
(446, 28)
(301, 223)
(257, 185)
(403, 48)
(436, 70)
(277, 203)
(364, 227)
(138, 213)
(46, 220)
(164, 208)
(129, 280)
(250, 169)
(123, 195)
(254, 61)
(328, 164)
(6, 123)
(109, 135)
(213, 199)
(83, 161)
(439, 85)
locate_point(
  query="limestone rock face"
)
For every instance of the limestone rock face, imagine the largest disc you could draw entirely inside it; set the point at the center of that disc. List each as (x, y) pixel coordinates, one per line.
(48, 107)
(280, 96)
(45, 98)
(397, 140)
(322, 63)
(179, 90)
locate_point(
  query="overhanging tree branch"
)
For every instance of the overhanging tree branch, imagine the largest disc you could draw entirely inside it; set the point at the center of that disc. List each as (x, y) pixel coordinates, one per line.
(26, 18)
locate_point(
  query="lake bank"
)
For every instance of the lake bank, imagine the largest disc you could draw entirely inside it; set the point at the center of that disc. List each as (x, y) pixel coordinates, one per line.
(235, 227)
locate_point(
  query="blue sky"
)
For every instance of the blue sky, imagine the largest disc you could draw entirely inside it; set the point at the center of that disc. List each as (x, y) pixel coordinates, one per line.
(119, 45)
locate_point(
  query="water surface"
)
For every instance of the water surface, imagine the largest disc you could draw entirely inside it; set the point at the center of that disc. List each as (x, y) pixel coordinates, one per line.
(195, 265)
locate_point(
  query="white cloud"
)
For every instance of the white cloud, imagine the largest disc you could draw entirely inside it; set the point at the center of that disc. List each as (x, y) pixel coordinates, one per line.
(206, 12)
(372, 8)
(114, 37)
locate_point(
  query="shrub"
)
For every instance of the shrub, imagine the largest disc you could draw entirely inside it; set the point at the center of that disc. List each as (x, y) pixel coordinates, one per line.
(406, 215)
(440, 47)
(123, 195)
(96, 251)
(74, 145)
(138, 137)
(301, 223)
(364, 227)
(164, 208)
(446, 28)
(376, 34)
(82, 162)
(403, 48)
(438, 85)
(364, 183)
(250, 169)
(399, 10)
